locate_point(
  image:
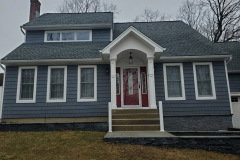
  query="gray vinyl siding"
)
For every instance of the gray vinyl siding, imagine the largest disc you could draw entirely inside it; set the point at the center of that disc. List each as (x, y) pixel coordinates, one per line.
(35, 36)
(71, 108)
(191, 106)
(98, 35)
(234, 81)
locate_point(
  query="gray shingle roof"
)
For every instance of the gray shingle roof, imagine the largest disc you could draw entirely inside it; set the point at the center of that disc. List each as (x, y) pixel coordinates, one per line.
(178, 38)
(71, 18)
(64, 50)
(232, 48)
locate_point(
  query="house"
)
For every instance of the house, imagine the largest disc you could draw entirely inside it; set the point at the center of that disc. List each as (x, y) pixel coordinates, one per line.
(72, 65)
(234, 78)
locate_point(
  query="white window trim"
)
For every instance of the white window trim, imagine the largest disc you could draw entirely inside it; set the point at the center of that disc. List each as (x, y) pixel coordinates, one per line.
(66, 31)
(48, 99)
(183, 97)
(79, 81)
(18, 100)
(212, 81)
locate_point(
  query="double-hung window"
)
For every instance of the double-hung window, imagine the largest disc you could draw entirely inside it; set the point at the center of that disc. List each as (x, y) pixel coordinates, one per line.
(174, 81)
(204, 81)
(57, 84)
(87, 83)
(26, 89)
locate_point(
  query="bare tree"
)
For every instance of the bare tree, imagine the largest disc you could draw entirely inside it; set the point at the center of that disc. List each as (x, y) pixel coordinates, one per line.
(83, 6)
(219, 20)
(150, 15)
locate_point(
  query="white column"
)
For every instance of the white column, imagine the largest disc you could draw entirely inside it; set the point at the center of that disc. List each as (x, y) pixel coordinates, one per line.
(151, 84)
(113, 83)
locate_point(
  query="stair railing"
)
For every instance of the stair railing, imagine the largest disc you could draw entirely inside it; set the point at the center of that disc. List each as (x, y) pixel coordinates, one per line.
(161, 116)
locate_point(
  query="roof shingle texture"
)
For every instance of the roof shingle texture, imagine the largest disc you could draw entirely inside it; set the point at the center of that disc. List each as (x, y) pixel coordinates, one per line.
(71, 19)
(232, 48)
(67, 50)
(178, 38)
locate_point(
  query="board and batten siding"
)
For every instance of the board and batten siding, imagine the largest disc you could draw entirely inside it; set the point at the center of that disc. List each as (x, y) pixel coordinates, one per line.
(234, 82)
(98, 35)
(70, 109)
(191, 106)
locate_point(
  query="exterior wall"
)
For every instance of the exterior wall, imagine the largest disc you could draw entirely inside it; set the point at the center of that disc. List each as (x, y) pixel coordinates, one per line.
(98, 35)
(191, 106)
(35, 36)
(234, 82)
(71, 108)
(192, 114)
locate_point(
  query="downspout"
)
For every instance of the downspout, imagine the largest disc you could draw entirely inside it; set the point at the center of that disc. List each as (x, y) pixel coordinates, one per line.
(1, 105)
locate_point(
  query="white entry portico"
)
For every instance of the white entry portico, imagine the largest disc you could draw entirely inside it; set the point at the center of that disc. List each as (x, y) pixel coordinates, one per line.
(144, 53)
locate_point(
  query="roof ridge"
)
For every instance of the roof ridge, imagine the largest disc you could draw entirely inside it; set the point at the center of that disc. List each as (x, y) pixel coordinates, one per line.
(79, 13)
(149, 22)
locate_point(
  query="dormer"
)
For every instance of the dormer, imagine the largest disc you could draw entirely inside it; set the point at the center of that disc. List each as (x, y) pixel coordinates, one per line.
(70, 27)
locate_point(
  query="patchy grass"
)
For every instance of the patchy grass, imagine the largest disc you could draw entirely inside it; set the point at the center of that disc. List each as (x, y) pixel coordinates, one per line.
(88, 145)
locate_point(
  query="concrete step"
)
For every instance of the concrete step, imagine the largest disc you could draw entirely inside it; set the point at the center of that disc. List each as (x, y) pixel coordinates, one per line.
(135, 121)
(135, 116)
(129, 111)
(136, 127)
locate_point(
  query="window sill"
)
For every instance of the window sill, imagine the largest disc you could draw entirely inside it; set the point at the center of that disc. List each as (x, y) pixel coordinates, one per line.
(87, 100)
(56, 101)
(25, 101)
(206, 98)
(175, 99)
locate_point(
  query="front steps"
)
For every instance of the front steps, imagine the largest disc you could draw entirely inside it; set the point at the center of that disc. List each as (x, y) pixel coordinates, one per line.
(135, 120)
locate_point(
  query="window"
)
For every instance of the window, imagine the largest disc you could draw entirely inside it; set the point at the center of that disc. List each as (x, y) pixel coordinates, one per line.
(26, 89)
(57, 84)
(68, 36)
(130, 83)
(204, 81)
(87, 83)
(174, 81)
(117, 84)
(144, 85)
(234, 99)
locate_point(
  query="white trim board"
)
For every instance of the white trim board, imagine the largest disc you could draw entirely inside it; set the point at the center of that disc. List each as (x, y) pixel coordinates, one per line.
(48, 99)
(18, 100)
(228, 86)
(131, 29)
(79, 81)
(213, 97)
(2, 98)
(183, 97)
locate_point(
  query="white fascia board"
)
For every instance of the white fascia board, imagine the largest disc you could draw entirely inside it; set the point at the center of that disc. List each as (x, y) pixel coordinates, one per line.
(52, 61)
(235, 94)
(192, 58)
(68, 26)
(133, 30)
(233, 71)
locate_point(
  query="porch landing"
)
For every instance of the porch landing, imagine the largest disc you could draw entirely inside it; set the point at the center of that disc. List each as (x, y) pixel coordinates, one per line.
(138, 134)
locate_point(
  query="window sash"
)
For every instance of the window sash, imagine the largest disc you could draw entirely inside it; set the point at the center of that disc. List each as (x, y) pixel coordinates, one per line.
(87, 86)
(63, 36)
(27, 84)
(144, 83)
(57, 83)
(204, 81)
(117, 84)
(174, 85)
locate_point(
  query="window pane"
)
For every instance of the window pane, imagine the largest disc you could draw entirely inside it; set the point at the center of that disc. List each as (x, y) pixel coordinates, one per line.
(53, 36)
(27, 83)
(83, 35)
(68, 36)
(144, 89)
(174, 81)
(87, 83)
(130, 83)
(117, 84)
(57, 83)
(204, 80)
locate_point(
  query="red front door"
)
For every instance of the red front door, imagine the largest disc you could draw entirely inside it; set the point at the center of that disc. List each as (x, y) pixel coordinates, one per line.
(130, 86)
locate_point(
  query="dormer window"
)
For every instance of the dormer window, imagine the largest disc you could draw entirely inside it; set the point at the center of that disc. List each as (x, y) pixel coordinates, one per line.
(68, 36)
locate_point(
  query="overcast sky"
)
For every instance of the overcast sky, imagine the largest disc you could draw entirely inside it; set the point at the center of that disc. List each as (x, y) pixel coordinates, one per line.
(14, 13)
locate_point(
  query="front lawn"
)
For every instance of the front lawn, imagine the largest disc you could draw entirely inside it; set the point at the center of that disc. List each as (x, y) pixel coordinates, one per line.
(88, 145)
